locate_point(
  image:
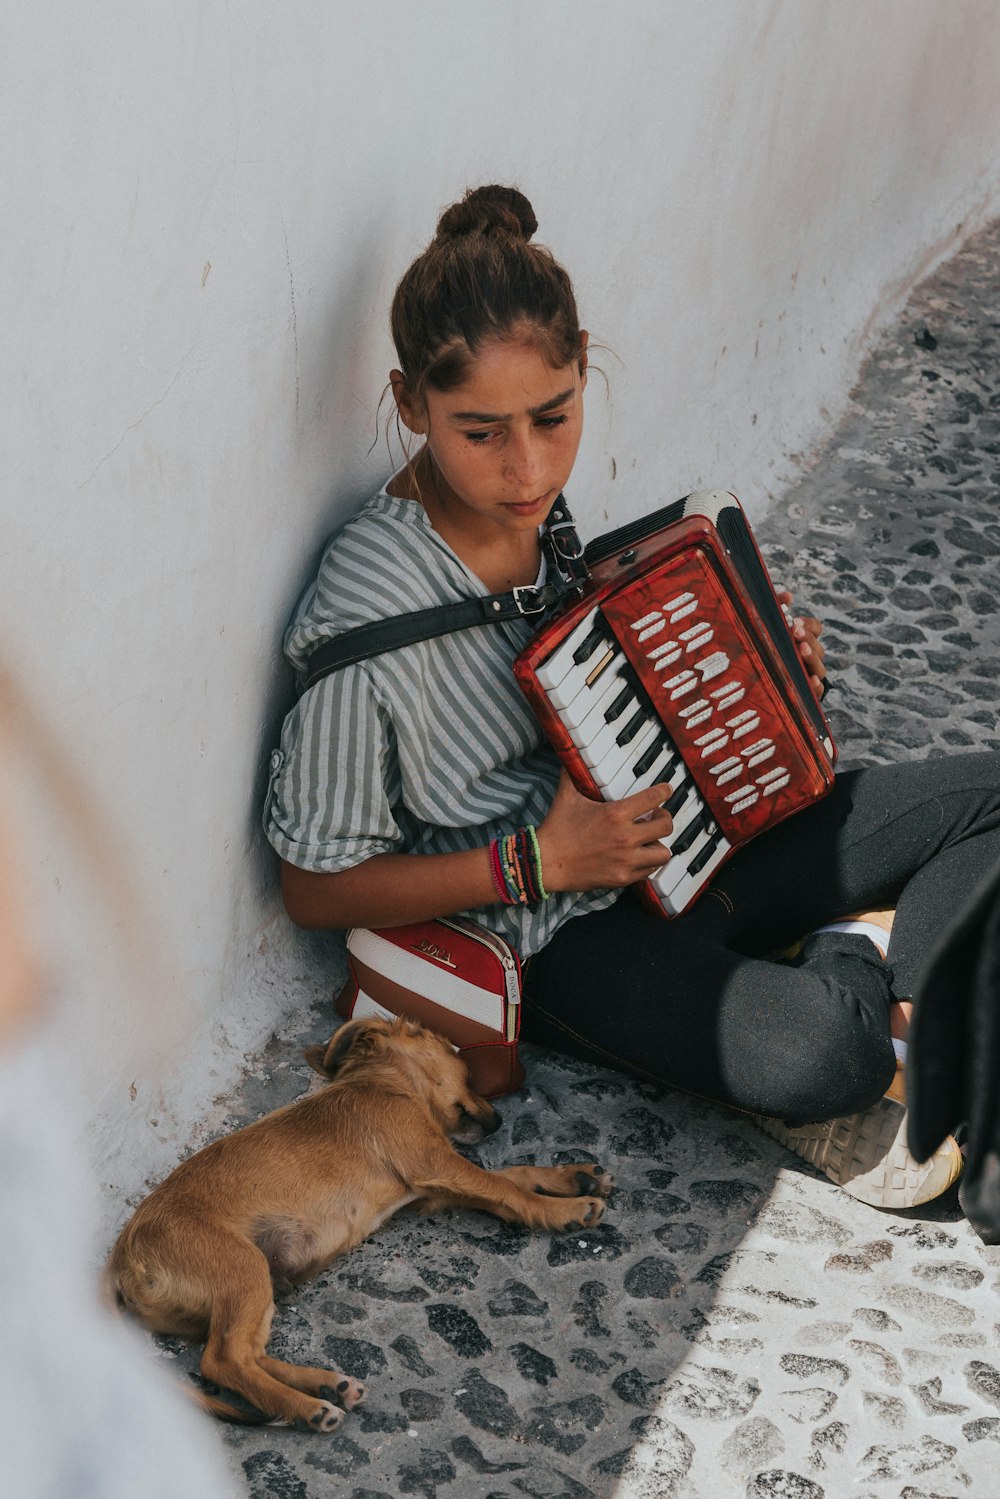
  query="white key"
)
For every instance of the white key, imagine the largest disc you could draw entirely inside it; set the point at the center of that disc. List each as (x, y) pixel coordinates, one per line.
(677, 776)
(621, 757)
(551, 672)
(676, 894)
(624, 781)
(574, 681)
(602, 743)
(691, 808)
(584, 716)
(575, 689)
(673, 873)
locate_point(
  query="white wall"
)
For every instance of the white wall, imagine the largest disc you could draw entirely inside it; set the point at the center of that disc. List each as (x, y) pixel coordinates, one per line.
(207, 206)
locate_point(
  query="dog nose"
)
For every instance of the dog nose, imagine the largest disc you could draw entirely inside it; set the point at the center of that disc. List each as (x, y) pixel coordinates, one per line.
(493, 1121)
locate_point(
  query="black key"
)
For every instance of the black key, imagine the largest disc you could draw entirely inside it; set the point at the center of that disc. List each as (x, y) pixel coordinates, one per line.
(589, 645)
(635, 723)
(650, 757)
(703, 855)
(701, 822)
(617, 707)
(676, 802)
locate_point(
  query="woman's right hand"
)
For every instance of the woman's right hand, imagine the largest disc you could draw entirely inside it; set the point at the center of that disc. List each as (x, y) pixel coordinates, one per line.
(588, 845)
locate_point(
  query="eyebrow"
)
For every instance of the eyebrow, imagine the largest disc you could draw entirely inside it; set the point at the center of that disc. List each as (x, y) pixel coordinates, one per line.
(493, 416)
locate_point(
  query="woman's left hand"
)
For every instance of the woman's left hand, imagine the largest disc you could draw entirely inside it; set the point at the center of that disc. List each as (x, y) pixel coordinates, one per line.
(807, 631)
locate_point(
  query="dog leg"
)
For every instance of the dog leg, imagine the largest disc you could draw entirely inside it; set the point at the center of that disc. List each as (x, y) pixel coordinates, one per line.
(242, 1309)
(453, 1182)
(585, 1180)
(328, 1384)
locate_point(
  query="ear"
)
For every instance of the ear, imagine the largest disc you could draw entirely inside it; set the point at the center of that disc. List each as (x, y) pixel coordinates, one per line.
(353, 1036)
(315, 1056)
(582, 362)
(412, 411)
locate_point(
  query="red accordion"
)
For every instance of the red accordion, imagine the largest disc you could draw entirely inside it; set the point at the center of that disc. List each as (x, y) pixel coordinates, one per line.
(676, 663)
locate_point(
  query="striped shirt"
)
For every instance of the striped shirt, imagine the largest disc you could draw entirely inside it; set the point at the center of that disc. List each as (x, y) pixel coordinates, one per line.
(428, 749)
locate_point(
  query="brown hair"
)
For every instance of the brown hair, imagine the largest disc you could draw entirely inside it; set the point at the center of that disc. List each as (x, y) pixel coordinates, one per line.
(480, 278)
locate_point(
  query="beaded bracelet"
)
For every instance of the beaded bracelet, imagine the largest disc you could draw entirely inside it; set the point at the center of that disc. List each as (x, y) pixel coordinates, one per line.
(496, 870)
(536, 861)
(516, 868)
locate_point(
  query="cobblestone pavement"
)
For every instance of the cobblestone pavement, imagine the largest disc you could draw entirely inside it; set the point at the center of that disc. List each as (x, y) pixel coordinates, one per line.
(736, 1326)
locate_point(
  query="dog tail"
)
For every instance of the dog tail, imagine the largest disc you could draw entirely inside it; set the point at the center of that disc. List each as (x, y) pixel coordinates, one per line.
(223, 1411)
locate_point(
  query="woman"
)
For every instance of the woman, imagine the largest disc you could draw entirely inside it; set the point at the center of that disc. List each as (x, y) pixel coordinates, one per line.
(400, 779)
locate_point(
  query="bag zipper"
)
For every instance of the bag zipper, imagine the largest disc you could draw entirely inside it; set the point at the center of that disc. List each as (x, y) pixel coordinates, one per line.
(501, 951)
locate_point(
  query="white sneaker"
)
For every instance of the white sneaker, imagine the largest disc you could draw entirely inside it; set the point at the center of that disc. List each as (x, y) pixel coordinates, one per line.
(868, 1156)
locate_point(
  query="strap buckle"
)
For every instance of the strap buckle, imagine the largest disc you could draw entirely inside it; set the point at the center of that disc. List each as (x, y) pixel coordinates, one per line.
(568, 547)
(529, 599)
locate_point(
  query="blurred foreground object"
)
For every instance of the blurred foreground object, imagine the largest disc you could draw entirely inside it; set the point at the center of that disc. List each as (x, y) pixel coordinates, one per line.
(85, 1411)
(953, 1069)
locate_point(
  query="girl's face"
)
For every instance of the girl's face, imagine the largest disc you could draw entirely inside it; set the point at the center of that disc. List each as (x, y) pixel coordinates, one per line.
(504, 442)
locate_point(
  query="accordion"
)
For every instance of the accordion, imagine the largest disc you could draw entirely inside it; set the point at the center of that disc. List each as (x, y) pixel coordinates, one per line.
(676, 663)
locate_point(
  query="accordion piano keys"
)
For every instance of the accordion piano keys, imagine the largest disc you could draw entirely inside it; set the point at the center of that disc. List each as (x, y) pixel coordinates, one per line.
(677, 665)
(626, 748)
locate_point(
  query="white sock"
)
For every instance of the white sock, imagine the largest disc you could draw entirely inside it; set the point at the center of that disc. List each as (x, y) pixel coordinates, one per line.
(900, 1048)
(868, 929)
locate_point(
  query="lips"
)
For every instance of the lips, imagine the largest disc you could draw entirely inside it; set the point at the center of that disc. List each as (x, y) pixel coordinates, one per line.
(527, 507)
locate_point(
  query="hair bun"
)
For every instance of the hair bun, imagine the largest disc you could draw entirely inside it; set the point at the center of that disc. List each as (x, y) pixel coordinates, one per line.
(488, 210)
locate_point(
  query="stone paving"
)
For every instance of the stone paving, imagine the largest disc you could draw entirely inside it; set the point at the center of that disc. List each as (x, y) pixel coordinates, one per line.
(736, 1326)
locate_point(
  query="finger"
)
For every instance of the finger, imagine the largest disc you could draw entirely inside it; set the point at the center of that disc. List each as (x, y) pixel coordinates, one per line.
(658, 825)
(804, 627)
(652, 823)
(650, 860)
(646, 801)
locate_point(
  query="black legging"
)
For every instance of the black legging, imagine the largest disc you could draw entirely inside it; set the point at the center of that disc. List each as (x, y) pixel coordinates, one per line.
(696, 1003)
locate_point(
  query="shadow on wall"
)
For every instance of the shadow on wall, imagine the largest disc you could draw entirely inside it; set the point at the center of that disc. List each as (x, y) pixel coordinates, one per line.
(345, 342)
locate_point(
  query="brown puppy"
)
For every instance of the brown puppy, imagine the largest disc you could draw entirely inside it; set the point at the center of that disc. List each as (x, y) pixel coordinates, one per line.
(275, 1202)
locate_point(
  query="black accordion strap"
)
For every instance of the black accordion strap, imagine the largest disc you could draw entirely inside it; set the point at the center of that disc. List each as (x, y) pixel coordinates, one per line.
(566, 573)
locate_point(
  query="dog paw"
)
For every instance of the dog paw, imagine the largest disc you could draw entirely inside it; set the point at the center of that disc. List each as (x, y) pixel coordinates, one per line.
(345, 1391)
(581, 1180)
(327, 1417)
(594, 1211)
(580, 1212)
(594, 1181)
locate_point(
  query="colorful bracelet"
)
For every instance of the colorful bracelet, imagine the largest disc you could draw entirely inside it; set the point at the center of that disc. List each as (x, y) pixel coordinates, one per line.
(496, 870)
(516, 868)
(536, 861)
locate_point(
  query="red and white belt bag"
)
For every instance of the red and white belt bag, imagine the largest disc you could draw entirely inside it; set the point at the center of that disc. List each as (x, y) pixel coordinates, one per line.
(452, 976)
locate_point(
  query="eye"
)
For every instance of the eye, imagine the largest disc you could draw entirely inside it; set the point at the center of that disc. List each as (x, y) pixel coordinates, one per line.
(479, 439)
(552, 421)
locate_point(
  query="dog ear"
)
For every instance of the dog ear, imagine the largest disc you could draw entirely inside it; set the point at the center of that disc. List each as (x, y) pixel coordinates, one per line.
(353, 1036)
(315, 1056)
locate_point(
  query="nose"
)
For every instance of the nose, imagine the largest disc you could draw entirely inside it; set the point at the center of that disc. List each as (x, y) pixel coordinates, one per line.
(523, 460)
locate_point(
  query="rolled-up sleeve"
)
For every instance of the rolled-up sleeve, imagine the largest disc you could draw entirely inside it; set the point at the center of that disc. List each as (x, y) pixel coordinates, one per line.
(335, 778)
